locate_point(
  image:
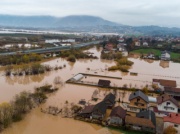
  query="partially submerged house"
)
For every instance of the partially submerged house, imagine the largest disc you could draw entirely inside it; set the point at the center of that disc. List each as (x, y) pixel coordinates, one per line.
(138, 101)
(166, 103)
(99, 111)
(86, 111)
(172, 119)
(104, 83)
(140, 124)
(165, 55)
(110, 100)
(109, 47)
(117, 116)
(161, 83)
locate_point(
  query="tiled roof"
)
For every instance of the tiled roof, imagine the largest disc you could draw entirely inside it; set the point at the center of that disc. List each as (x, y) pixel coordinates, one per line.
(87, 109)
(172, 89)
(166, 83)
(118, 112)
(110, 97)
(147, 114)
(100, 108)
(173, 118)
(164, 98)
(139, 121)
(138, 94)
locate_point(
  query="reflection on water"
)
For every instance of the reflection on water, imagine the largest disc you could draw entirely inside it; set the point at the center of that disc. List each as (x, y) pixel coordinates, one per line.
(149, 60)
(164, 64)
(39, 123)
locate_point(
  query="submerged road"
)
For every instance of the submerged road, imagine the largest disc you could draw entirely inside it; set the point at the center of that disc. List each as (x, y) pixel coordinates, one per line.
(52, 49)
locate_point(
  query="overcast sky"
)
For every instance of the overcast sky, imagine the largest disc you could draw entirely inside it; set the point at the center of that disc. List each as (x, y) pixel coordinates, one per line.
(128, 12)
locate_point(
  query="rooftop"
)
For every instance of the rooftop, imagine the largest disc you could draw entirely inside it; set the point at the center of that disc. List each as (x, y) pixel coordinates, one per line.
(166, 97)
(118, 112)
(172, 89)
(138, 94)
(173, 118)
(139, 121)
(166, 83)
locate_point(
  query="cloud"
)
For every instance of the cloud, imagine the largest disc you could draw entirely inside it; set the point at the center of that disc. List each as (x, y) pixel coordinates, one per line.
(130, 12)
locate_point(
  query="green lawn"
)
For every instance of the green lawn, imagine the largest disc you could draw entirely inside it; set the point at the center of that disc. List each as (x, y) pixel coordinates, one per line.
(175, 55)
(146, 51)
(156, 52)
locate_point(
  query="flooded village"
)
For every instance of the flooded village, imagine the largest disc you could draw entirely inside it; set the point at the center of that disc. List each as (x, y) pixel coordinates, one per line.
(93, 99)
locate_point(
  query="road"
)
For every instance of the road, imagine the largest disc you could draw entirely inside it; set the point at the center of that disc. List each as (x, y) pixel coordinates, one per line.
(52, 49)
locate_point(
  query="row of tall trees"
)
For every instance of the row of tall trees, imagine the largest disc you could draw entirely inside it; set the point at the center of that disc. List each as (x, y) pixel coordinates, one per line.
(18, 59)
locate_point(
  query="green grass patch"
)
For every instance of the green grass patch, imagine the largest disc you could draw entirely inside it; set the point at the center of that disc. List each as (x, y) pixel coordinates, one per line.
(146, 51)
(175, 55)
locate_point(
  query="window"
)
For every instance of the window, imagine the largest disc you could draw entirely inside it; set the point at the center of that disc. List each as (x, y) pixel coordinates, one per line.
(168, 103)
(175, 125)
(142, 104)
(138, 99)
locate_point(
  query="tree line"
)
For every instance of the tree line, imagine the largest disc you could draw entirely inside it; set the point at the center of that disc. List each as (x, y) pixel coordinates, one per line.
(21, 104)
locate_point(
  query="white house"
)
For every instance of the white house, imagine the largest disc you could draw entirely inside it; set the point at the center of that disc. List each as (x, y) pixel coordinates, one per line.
(165, 55)
(137, 43)
(166, 103)
(172, 119)
(125, 53)
(145, 44)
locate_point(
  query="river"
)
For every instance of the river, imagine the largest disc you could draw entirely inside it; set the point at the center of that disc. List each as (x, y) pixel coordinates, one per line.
(39, 123)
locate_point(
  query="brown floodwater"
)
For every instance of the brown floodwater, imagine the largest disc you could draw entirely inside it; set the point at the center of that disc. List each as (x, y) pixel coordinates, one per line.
(40, 123)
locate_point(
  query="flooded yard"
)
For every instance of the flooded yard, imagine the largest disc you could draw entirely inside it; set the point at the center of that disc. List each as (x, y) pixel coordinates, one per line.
(39, 123)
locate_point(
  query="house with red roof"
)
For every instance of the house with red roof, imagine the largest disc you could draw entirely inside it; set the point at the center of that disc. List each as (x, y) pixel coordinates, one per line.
(168, 104)
(117, 116)
(162, 83)
(173, 119)
(109, 47)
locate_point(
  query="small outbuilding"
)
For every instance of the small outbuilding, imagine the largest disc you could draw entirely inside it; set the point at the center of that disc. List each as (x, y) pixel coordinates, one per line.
(104, 83)
(77, 77)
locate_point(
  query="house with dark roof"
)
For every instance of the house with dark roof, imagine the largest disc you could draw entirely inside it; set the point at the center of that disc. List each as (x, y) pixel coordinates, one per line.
(166, 103)
(140, 124)
(138, 101)
(147, 114)
(109, 100)
(161, 83)
(86, 111)
(173, 91)
(172, 119)
(104, 83)
(99, 111)
(94, 111)
(117, 116)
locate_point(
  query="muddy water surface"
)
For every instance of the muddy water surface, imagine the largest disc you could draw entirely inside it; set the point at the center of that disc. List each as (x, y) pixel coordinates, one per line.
(39, 123)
